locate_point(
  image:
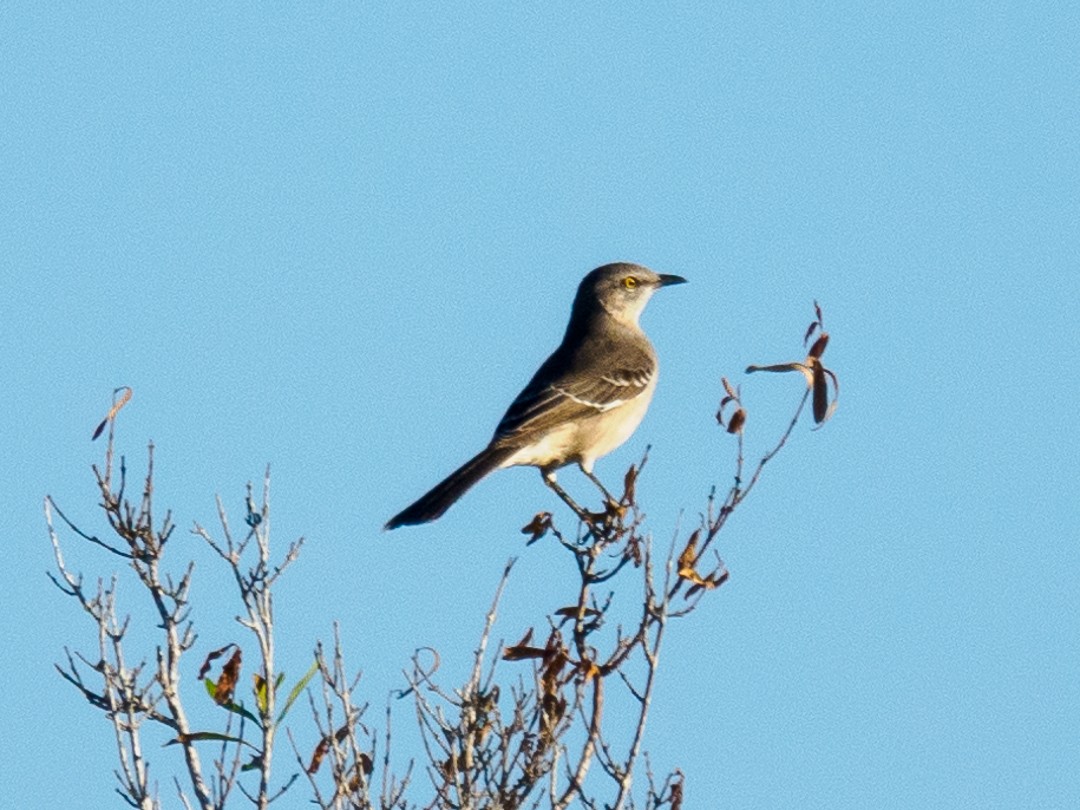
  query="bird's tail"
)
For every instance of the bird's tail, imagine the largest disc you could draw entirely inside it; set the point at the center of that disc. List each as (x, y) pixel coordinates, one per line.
(442, 496)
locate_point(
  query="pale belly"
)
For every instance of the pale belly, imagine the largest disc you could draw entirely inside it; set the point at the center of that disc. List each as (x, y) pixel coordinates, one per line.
(584, 440)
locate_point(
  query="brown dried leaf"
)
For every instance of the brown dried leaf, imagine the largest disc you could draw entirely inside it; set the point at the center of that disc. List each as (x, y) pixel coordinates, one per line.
(324, 746)
(738, 419)
(366, 763)
(520, 652)
(676, 798)
(821, 392)
(818, 348)
(226, 682)
(836, 397)
(732, 395)
(448, 767)
(555, 661)
(613, 511)
(588, 670)
(689, 554)
(120, 403)
(713, 580)
(537, 527)
(552, 710)
(318, 754)
(363, 768)
(632, 550)
(630, 484)
(211, 657)
(572, 612)
(525, 639)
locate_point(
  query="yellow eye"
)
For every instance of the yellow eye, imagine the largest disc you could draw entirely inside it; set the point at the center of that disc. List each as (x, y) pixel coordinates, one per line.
(629, 282)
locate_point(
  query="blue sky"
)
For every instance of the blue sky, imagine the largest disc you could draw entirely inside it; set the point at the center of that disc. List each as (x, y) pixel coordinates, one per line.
(340, 239)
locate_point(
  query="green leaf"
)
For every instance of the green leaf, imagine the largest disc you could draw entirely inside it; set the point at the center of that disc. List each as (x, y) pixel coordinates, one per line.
(296, 690)
(211, 689)
(240, 710)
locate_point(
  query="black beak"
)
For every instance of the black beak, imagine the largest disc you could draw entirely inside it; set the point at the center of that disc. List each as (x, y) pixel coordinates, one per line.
(666, 280)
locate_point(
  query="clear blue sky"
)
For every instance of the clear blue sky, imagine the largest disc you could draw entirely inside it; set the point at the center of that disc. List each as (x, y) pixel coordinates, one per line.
(339, 238)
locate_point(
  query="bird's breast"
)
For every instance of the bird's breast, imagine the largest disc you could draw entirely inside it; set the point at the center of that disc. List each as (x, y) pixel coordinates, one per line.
(584, 439)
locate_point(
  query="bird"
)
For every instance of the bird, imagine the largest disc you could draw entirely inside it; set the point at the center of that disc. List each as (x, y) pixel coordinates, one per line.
(584, 401)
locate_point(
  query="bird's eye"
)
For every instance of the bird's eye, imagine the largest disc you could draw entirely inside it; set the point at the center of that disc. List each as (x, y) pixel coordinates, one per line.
(630, 282)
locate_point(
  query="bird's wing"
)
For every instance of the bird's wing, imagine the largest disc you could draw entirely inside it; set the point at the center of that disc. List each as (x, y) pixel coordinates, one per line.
(547, 403)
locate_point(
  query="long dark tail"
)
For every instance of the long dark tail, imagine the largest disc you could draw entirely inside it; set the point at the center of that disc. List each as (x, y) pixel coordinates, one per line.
(442, 496)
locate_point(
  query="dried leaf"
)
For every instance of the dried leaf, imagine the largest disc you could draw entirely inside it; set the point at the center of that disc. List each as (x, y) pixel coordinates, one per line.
(689, 572)
(525, 639)
(572, 612)
(318, 754)
(738, 419)
(818, 348)
(613, 510)
(520, 653)
(588, 670)
(324, 746)
(117, 405)
(537, 527)
(630, 484)
(226, 682)
(523, 650)
(689, 555)
(366, 763)
(713, 580)
(836, 397)
(731, 394)
(676, 797)
(815, 374)
(821, 392)
(211, 657)
(362, 769)
(556, 660)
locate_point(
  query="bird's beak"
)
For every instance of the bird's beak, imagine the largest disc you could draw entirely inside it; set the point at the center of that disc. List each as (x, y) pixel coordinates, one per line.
(667, 279)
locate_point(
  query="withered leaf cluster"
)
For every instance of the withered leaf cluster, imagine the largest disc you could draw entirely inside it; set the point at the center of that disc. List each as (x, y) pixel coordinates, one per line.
(816, 374)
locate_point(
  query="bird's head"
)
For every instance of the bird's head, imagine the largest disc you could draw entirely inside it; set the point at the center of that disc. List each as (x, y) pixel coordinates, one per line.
(621, 289)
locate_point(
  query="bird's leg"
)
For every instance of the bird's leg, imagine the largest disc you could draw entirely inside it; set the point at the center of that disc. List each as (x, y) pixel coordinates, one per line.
(553, 485)
(608, 497)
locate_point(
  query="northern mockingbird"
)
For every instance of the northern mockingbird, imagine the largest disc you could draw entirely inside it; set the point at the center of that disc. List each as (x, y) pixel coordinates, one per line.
(583, 402)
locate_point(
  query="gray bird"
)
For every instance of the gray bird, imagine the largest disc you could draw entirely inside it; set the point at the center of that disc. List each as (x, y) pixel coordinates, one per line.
(584, 401)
